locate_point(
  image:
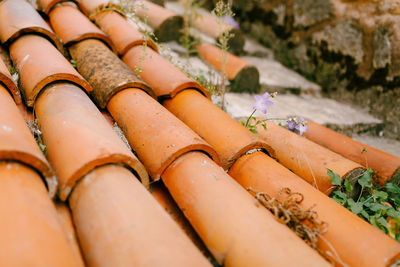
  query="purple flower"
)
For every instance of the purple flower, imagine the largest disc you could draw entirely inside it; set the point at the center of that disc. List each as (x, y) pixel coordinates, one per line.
(302, 126)
(299, 124)
(230, 21)
(262, 102)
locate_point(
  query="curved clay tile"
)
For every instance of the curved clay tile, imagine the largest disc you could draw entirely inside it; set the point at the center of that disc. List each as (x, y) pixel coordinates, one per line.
(31, 233)
(122, 34)
(17, 142)
(347, 236)
(8, 83)
(165, 79)
(40, 64)
(243, 76)
(307, 159)
(120, 224)
(64, 214)
(144, 120)
(230, 139)
(104, 71)
(210, 25)
(77, 136)
(90, 6)
(18, 17)
(72, 26)
(385, 165)
(165, 200)
(229, 222)
(166, 24)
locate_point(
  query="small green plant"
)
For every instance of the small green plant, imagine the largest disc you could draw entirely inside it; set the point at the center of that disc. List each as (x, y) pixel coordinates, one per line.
(37, 134)
(262, 103)
(221, 10)
(378, 205)
(210, 86)
(73, 63)
(252, 123)
(295, 124)
(129, 8)
(188, 41)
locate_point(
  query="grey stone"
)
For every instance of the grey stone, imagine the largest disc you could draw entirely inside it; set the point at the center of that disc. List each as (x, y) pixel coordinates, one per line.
(280, 12)
(310, 12)
(321, 110)
(274, 75)
(382, 48)
(388, 145)
(345, 38)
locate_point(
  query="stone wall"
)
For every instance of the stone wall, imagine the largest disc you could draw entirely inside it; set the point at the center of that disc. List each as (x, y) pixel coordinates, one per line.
(351, 48)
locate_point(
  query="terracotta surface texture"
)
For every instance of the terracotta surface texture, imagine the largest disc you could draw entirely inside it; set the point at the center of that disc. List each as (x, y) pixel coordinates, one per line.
(166, 24)
(40, 64)
(91, 111)
(165, 200)
(119, 223)
(46, 5)
(104, 71)
(243, 76)
(7, 81)
(212, 54)
(77, 136)
(72, 26)
(31, 233)
(307, 159)
(89, 7)
(214, 28)
(153, 132)
(385, 165)
(165, 79)
(122, 34)
(65, 217)
(18, 17)
(227, 136)
(347, 236)
(17, 142)
(211, 201)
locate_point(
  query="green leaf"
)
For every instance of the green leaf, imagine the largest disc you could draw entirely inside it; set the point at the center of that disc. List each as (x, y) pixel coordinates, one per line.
(382, 221)
(392, 188)
(254, 131)
(380, 194)
(264, 125)
(365, 214)
(335, 178)
(340, 194)
(393, 213)
(365, 179)
(372, 220)
(355, 207)
(339, 197)
(348, 185)
(376, 206)
(396, 199)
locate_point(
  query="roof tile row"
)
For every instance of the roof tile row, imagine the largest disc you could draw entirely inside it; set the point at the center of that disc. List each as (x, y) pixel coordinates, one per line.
(108, 199)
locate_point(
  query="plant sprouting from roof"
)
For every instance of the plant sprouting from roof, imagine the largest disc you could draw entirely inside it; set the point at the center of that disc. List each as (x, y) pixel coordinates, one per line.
(129, 8)
(221, 10)
(187, 40)
(297, 124)
(378, 205)
(263, 102)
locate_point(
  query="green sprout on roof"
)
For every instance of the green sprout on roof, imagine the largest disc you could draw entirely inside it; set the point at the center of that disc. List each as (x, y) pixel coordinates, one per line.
(378, 205)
